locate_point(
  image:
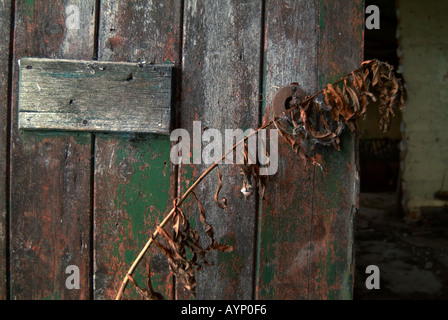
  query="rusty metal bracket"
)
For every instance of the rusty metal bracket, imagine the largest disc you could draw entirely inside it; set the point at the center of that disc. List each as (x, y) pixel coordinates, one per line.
(287, 97)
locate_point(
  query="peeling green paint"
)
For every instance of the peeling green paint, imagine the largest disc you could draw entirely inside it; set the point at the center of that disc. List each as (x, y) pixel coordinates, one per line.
(29, 9)
(142, 196)
(321, 15)
(83, 139)
(55, 296)
(187, 176)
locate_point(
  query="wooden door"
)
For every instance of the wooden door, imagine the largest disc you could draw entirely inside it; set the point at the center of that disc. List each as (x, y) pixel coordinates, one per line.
(93, 199)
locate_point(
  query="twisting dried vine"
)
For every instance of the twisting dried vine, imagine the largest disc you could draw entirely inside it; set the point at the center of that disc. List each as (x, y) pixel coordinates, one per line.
(320, 121)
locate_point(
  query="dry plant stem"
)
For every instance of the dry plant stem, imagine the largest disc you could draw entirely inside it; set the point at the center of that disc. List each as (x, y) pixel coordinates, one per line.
(179, 202)
(202, 176)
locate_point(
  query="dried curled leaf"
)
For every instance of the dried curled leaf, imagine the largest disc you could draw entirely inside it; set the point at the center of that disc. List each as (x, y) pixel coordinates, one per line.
(209, 231)
(148, 293)
(183, 242)
(223, 203)
(345, 102)
(183, 238)
(250, 174)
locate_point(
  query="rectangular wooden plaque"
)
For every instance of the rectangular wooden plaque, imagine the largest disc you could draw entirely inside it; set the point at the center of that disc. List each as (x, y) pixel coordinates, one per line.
(73, 95)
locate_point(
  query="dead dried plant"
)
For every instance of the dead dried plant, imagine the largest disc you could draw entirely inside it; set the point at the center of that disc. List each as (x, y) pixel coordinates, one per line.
(320, 121)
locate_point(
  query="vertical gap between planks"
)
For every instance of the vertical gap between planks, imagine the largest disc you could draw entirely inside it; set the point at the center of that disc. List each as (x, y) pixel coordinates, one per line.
(7, 194)
(97, 29)
(92, 161)
(92, 212)
(258, 199)
(177, 82)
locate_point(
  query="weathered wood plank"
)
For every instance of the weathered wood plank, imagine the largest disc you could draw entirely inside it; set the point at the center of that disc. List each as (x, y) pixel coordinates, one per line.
(5, 22)
(135, 181)
(71, 95)
(50, 173)
(221, 88)
(153, 26)
(306, 233)
(285, 215)
(132, 191)
(336, 191)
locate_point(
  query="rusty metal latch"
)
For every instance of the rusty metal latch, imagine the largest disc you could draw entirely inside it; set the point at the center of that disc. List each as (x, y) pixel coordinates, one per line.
(286, 97)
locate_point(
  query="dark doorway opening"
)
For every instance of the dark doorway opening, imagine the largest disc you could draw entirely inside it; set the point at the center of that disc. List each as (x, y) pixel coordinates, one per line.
(411, 256)
(379, 152)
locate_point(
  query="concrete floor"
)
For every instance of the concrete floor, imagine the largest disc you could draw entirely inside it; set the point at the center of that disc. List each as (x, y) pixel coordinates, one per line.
(412, 257)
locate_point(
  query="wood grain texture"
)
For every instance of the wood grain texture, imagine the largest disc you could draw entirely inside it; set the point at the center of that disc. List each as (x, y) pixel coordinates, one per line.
(297, 242)
(73, 95)
(50, 173)
(135, 181)
(336, 191)
(5, 22)
(132, 192)
(285, 240)
(220, 87)
(306, 222)
(140, 30)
